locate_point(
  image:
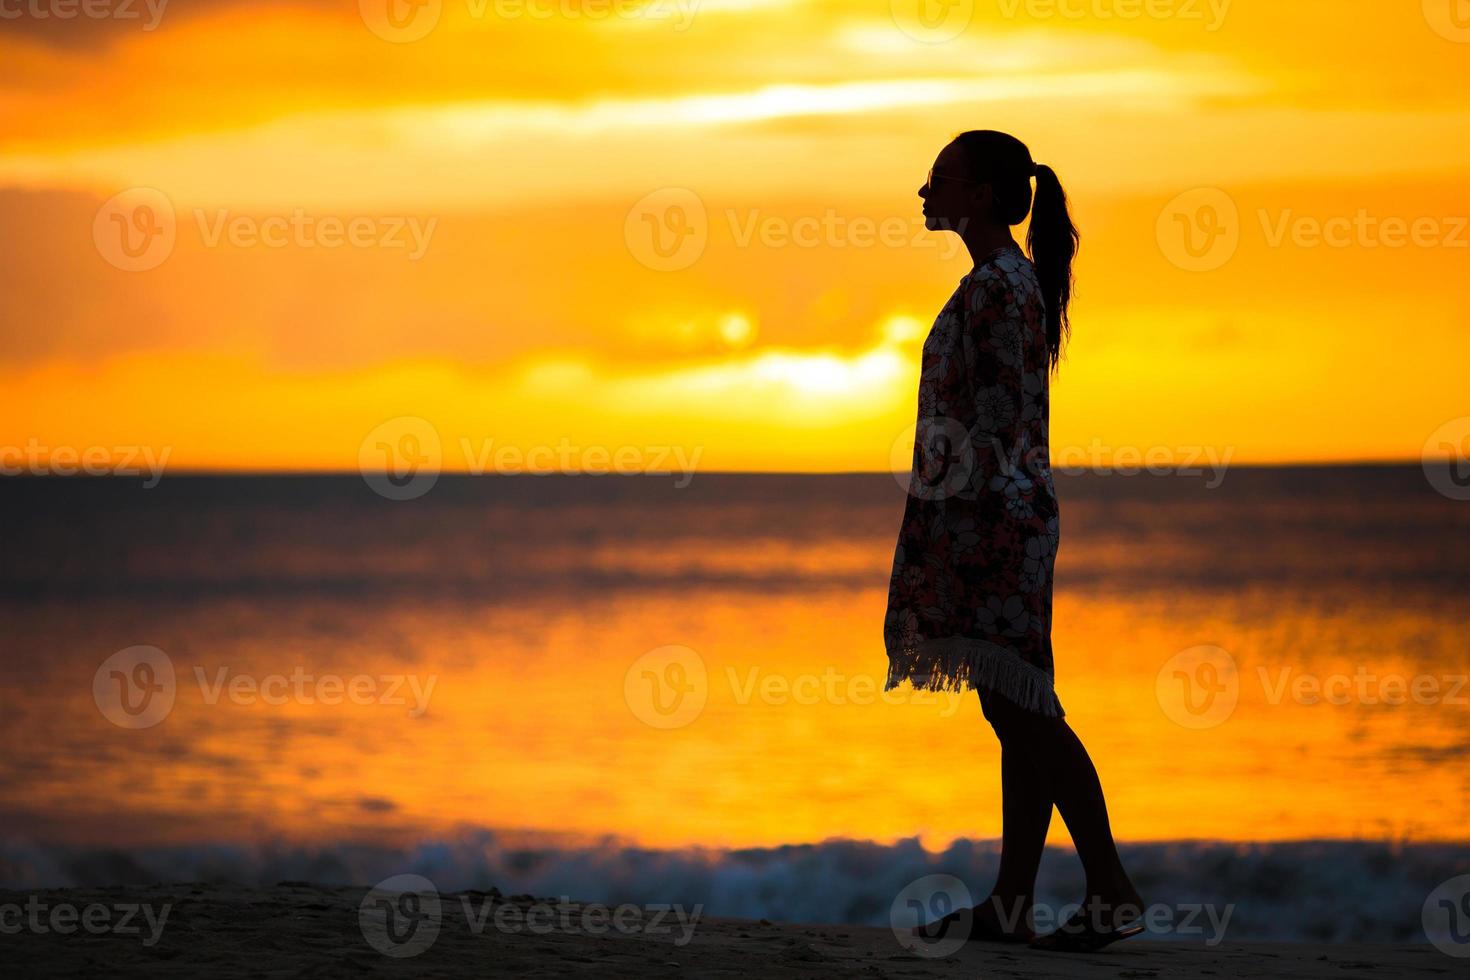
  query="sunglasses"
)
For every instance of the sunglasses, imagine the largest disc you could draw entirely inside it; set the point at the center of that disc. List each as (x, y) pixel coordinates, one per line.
(960, 180)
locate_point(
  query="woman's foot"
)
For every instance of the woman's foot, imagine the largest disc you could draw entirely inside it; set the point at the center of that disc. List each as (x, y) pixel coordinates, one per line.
(1003, 920)
(992, 921)
(1119, 906)
(1080, 934)
(1100, 922)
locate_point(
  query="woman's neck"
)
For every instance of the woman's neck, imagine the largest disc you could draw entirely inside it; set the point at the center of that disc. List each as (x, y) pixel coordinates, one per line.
(985, 241)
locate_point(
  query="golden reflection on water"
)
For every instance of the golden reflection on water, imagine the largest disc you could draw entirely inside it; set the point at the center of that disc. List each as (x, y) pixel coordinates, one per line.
(529, 723)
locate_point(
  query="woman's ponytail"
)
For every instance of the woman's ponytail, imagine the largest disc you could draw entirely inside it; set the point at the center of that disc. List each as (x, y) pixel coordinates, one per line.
(1052, 241)
(1005, 163)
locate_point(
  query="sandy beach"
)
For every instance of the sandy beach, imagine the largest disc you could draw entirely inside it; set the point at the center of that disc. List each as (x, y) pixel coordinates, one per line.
(299, 929)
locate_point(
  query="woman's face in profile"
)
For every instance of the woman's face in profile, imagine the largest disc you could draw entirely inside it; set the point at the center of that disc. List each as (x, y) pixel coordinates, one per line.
(951, 199)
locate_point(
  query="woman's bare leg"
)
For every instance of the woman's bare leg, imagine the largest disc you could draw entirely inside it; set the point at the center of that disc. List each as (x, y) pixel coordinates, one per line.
(1025, 818)
(1048, 761)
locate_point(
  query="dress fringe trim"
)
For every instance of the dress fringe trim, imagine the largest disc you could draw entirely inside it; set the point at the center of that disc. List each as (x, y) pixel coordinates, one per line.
(960, 663)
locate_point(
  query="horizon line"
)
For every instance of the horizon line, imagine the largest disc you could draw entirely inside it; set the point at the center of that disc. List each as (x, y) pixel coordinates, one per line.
(263, 472)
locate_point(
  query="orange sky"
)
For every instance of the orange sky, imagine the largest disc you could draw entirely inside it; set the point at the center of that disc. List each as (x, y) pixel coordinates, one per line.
(504, 173)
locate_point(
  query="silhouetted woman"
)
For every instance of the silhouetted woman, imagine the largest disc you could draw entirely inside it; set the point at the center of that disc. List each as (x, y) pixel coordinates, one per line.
(970, 598)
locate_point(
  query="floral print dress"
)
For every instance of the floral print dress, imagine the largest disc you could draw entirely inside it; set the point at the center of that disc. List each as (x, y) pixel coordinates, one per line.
(970, 597)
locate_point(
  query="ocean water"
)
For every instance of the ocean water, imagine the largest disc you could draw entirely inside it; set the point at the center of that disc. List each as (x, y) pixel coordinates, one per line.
(619, 688)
